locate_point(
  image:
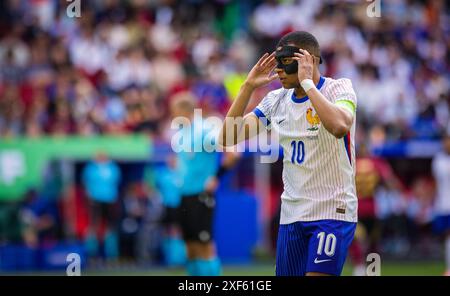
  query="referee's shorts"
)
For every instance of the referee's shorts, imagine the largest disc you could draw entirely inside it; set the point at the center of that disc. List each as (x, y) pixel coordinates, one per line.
(196, 217)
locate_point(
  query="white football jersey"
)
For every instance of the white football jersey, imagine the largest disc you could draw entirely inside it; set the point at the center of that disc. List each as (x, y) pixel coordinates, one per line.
(441, 172)
(318, 168)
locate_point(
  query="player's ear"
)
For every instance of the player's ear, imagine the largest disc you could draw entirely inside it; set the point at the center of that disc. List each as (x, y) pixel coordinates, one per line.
(316, 61)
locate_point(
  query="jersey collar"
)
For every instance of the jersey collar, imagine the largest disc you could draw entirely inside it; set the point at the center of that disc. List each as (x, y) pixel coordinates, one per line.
(305, 98)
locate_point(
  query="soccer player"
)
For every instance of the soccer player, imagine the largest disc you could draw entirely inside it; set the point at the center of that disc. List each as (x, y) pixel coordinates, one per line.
(315, 119)
(101, 179)
(441, 172)
(199, 166)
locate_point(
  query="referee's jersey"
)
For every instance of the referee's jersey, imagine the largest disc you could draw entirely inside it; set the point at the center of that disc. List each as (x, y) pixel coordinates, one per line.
(197, 158)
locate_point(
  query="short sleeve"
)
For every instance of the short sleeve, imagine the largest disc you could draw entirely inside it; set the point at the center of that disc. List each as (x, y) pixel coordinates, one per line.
(264, 109)
(342, 94)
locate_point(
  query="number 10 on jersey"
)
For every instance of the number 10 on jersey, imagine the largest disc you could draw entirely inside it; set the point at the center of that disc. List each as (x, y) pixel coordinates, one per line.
(298, 152)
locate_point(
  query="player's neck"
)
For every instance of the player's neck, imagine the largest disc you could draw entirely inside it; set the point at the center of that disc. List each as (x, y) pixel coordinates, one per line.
(300, 93)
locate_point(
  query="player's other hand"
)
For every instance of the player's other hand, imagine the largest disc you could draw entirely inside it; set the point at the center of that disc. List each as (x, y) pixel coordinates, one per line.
(260, 74)
(305, 64)
(211, 185)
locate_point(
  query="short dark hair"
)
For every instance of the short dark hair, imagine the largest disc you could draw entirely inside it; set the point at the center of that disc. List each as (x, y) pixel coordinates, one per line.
(303, 40)
(184, 100)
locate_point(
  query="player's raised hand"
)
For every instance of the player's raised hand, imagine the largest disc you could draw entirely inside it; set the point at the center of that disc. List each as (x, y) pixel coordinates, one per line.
(305, 64)
(260, 74)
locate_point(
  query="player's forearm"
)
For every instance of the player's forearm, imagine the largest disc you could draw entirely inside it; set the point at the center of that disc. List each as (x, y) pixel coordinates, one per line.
(234, 119)
(336, 120)
(239, 105)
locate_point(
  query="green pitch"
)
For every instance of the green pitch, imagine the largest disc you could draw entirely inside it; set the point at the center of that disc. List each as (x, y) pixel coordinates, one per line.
(387, 269)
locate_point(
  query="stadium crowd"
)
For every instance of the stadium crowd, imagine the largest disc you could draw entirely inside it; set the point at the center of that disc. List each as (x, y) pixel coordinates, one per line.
(115, 69)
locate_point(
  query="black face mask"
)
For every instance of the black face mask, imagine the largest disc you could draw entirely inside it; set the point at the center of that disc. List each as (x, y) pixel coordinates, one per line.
(288, 52)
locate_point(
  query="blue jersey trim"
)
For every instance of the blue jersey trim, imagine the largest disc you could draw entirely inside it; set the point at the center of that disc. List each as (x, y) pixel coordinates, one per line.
(261, 115)
(305, 98)
(347, 146)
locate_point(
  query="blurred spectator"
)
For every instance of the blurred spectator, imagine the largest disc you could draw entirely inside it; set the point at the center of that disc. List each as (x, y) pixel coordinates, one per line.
(398, 65)
(140, 233)
(371, 173)
(40, 219)
(168, 182)
(441, 172)
(420, 214)
(101, 180)
(391, 211)
(11, 226)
